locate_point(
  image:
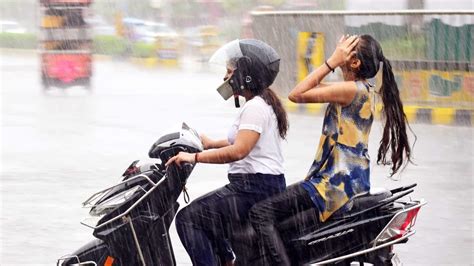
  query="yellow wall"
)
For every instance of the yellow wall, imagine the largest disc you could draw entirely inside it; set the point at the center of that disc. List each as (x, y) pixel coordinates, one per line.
(445, 88)
(315, 59)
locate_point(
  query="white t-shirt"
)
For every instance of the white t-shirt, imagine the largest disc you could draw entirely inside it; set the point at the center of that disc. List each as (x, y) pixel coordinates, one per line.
(266, 157)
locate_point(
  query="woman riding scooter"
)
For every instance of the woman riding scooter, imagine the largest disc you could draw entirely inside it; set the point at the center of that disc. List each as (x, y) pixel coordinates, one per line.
(252, 150)
(341, 167)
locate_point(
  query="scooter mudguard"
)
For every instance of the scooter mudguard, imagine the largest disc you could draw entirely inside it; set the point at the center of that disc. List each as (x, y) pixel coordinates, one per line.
(96, 251)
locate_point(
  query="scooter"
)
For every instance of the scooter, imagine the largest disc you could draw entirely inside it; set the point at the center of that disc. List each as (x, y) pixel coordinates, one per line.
(131, 220)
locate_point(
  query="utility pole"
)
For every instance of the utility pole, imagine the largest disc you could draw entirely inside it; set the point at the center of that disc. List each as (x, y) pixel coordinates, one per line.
(415, 22)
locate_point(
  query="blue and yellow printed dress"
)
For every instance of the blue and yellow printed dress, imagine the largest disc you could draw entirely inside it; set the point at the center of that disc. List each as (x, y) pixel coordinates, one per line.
(341, 167)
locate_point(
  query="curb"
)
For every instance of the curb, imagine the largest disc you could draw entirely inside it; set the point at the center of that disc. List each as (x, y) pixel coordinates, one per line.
(415, 114)
(18, 51)
(145, 62)
(152, 62)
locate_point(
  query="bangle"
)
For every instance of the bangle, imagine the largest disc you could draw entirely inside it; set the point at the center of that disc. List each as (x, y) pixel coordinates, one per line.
(196, 157)
(330, 68)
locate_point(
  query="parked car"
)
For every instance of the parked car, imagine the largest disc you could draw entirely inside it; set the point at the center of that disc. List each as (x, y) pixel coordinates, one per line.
(100, 26)
(166, 40)
(131, 28)
(147, 31)
(202, 41)
(150, 31)
(11, 27)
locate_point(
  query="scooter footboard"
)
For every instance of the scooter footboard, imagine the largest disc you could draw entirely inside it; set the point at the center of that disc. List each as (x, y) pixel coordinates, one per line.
(95, 252)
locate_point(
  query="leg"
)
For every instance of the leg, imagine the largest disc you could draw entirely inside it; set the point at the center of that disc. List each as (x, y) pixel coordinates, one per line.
(198, 224)
(205, 225)
(266, 214)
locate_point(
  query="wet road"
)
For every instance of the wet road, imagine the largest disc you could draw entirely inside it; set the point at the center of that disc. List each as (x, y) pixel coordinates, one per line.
(61, 146)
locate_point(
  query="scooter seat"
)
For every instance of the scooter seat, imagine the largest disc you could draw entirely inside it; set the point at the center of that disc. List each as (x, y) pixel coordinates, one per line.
(308, 220)
(373, 197)
(362, 201)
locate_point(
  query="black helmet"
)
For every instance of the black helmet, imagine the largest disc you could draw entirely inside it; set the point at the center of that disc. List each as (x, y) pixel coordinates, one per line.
(255, 64)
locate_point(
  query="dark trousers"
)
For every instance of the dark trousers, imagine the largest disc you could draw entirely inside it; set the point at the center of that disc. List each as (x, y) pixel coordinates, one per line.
(206, 224)
(267, 214)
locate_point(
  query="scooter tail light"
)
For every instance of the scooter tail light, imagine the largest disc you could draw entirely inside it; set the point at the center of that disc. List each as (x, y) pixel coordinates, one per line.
(399, 225)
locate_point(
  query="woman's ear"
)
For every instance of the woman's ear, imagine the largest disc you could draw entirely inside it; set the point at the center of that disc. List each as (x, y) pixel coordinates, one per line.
(355, 63)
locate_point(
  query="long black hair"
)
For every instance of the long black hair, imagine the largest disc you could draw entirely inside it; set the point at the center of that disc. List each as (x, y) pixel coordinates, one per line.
(394, 139)
(270, 97)
(264, 75)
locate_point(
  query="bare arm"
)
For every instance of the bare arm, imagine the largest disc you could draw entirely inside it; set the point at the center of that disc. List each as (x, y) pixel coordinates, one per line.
(310, 82)
(312, 90)
(339, 92)
(244, 143)
(213, 144)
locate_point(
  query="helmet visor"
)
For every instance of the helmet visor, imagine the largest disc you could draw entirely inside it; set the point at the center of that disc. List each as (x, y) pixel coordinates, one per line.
(227, 55)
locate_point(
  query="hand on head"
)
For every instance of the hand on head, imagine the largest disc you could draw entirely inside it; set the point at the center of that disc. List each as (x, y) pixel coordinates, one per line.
(345, 50)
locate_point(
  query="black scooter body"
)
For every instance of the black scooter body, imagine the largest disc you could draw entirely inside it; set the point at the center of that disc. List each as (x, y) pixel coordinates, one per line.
(343, 233)
(96, 250)
(151, 219)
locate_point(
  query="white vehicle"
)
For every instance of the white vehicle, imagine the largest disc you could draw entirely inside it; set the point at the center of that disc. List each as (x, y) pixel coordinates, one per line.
(100, 26)
(11, 27)
(149, 31)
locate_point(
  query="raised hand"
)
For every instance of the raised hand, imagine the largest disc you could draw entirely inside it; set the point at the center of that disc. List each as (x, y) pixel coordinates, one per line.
(344, 50)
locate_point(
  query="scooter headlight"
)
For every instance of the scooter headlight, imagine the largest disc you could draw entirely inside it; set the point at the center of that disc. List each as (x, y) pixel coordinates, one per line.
(113, 202)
